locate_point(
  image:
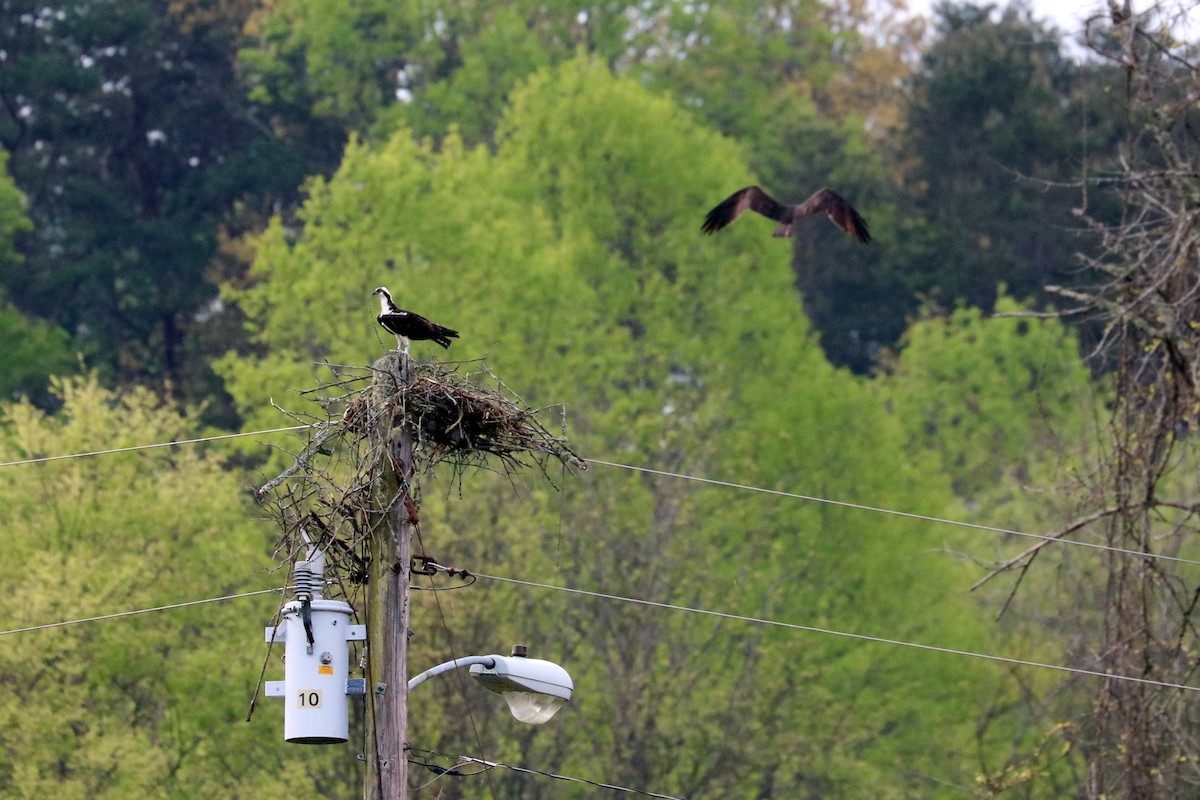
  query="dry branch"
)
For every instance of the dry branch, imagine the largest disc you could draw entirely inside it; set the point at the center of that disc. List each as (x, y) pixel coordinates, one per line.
(1029, 553)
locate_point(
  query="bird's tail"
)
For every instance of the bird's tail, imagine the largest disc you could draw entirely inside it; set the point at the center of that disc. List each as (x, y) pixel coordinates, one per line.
(444, 335)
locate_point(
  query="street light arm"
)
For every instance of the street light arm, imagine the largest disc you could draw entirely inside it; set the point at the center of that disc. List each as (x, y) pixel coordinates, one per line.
(487, 661)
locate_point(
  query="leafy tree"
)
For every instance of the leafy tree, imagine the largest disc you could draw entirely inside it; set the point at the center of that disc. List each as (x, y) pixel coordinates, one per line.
(150, 705)
(130, 137)
(319, 65)
(761, 73)
(989, 394)
(36, 350)
(992, 123)
(13, 219)
(970, 189)
(314, 58)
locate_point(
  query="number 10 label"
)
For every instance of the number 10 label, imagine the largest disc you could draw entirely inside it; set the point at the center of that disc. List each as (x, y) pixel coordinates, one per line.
(309, 698)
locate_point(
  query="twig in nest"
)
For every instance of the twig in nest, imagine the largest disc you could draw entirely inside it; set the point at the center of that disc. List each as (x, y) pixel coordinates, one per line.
(464, 423)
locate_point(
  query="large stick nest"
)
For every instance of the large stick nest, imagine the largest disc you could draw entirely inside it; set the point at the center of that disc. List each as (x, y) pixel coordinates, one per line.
(459, 421)
(331, 489)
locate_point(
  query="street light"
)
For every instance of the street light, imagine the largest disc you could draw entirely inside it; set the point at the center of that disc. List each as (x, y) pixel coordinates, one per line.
(534, 689)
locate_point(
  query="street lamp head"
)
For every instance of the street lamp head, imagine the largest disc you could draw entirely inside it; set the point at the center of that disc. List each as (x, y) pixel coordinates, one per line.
(534, 689)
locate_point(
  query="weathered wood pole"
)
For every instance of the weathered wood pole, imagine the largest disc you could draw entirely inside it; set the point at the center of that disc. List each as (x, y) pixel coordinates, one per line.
(388, 588)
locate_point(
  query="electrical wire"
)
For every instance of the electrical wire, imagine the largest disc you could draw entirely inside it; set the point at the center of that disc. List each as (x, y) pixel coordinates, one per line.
(893, 512)
(489, 765)
(135, 612)
(132, 448)
(681, 476)
(657, 604)
(845, 634)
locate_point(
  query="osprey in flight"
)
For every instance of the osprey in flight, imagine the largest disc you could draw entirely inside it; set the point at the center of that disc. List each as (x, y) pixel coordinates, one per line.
(826, 200)
(406, 325)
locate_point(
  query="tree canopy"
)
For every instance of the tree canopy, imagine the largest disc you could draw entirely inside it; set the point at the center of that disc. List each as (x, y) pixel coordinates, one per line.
(198, 199)
(150, 705)
(668, 350)
(129, 135)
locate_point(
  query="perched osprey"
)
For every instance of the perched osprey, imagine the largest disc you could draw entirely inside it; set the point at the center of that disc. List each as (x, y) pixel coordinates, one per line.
(755, 199)
(406, 325)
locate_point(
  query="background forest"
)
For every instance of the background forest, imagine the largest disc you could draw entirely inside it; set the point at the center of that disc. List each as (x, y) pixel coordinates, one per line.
(199, 197)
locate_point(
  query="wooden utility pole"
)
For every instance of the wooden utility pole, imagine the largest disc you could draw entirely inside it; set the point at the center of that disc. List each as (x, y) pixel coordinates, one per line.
(387, 591)
(367, 515)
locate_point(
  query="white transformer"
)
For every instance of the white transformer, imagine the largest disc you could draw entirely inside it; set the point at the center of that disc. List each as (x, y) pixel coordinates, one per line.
(316, 681)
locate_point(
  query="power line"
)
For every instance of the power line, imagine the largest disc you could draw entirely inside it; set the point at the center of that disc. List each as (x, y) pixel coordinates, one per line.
(488, 765)
(845, 634)
(681, 476)
(132, 448)
(892, 512)
(118, 614)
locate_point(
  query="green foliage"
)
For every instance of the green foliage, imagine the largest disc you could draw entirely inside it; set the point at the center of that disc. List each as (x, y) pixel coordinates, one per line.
(758, 73)
(145, 706)
(35, 349)
(470, 99)
(992, 120)
(551, 215)
(988, 395)
(571, 259)
(13, 219)
(330, 56)
(786, 79)
(129, 135)
(1005, 405)
(751, 71)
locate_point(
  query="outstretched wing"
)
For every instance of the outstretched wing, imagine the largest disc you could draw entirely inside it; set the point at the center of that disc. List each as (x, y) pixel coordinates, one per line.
(752, 198)
(839, 211)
